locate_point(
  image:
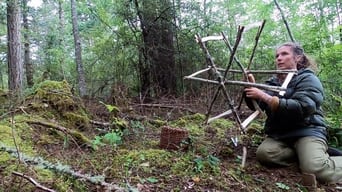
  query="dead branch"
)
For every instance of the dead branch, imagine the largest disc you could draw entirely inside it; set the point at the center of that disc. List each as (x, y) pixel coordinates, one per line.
(80, 138)
(243, 83)
(165, 106)
(9, 113)
(256, 43)
(261, 71)
(34, 182)
(64, 169)
(104, 124)
(285, 21)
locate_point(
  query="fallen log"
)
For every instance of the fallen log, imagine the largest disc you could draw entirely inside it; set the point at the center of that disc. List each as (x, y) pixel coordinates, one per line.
(78, 136)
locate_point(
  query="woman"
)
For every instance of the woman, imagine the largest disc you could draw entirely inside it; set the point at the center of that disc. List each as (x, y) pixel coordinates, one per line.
(295, 125)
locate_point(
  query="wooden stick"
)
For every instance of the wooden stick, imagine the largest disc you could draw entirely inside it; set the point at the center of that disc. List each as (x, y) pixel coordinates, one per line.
(244, 156)
(256, 106)
(34, 182)
(222, 79)
(105, 124)
(285, 21)
(211, 64)
(262, 71)
(242, 83)
(199, 72)
(232, 54)
(228, 112)
(249, 119)
(256, 43)
(169, 106)
(286, 83)
(210, 38)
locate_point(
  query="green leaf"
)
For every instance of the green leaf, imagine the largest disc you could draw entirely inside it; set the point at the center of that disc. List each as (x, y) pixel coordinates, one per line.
(110, 108)
(282, 186)
(152, 180)
(112, 138)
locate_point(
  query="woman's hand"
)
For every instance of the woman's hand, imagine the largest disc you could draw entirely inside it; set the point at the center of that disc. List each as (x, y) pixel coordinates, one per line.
(255, 93)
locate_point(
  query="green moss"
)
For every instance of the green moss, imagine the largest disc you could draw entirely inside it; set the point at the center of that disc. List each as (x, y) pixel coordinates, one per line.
(194, 119)
(6, 135)
(56, 93)
(16, 137)
(64, 183)
(156, 157)
(158, 122)
(45, 139)
(184, 166)
(77, 120)
(118, 123)
(4, 157)
(222, 124)
(44, 175)
(150, 161)
(3, 97)
(80, 138)
(198, 118)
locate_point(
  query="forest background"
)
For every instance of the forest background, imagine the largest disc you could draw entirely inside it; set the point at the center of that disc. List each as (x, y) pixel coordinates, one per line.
(147, 47)
(111, 50)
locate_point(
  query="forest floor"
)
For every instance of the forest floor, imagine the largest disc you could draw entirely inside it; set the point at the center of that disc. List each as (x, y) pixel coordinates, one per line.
(118, 148)
(252, 177)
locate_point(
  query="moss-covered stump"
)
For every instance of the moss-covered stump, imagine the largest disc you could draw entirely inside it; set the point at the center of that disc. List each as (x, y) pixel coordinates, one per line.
(57, 95)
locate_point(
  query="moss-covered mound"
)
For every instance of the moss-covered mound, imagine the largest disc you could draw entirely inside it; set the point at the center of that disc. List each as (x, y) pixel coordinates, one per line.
(55, 100)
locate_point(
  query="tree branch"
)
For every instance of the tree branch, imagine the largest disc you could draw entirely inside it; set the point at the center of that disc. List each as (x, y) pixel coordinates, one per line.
(80, 138)
(285, 21)
(34, 182)
(60, 168)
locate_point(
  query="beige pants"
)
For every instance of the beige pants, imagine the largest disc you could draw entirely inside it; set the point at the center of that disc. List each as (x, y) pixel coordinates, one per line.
(311, 154)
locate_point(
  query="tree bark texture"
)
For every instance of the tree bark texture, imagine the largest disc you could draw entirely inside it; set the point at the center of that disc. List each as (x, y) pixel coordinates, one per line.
(27, 53)
(15, 64)
(78, 51)
(61, 33)
(157, 66)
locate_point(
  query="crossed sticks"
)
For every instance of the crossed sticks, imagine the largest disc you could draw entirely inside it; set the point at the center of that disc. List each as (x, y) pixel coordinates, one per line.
(222, 81)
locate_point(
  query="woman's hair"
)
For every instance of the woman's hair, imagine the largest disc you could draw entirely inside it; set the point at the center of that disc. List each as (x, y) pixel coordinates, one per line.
(297, 49)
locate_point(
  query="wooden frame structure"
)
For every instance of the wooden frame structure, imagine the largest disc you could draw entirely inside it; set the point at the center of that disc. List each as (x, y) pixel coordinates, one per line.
(222, 81)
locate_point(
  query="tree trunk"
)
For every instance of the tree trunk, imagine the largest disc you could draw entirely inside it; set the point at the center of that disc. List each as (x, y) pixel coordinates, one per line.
(164, 67)
(157, 66)
(339, 17)
(15, 64)
(78, 51)
(27, 54)
(61, 33)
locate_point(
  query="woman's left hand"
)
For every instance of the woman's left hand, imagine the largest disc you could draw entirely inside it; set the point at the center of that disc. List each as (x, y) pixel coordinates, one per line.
(255, 93)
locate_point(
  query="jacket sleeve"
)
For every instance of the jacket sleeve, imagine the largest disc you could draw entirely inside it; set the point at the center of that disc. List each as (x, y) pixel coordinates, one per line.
(305, 100)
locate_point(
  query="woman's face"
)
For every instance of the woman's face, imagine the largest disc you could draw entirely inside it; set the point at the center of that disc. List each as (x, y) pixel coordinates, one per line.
(285, 58)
